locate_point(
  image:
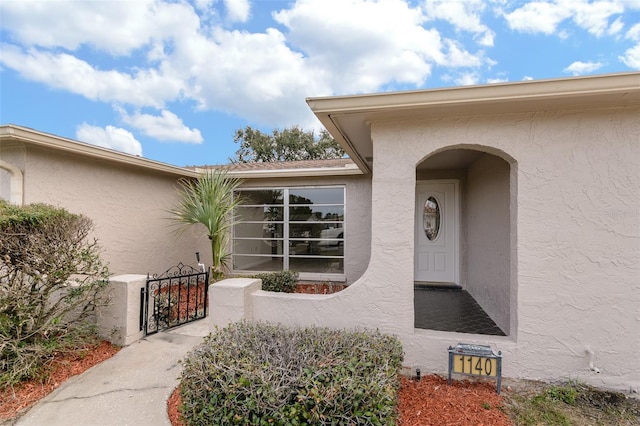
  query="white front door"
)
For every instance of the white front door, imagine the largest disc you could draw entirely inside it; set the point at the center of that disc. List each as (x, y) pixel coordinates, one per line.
(437, 232)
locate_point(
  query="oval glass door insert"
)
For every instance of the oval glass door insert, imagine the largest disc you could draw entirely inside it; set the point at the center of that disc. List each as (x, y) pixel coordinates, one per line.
(431, 218)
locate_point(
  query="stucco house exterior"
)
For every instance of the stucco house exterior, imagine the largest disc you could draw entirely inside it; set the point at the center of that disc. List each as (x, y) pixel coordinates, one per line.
(523, 196)
(126, 196)
(526, 195)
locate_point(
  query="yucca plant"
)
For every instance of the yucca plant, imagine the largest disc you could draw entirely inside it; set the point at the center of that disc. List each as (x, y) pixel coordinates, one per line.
(209, 201)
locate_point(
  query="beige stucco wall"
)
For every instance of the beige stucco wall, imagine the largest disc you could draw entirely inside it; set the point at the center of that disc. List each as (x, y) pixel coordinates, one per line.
(575, 251)
(127, 204)
(357, 244)
(488, 226)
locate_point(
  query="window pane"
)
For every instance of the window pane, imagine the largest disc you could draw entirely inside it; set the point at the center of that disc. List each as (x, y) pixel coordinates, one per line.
(258, 230)
(305, 230)
(273, 247)
(315, 237)
(317, 213)
(333, 231)
(316, 196)
(257, 263)
(259, 214)
(260, 196)
(316, 248)
(326, 266)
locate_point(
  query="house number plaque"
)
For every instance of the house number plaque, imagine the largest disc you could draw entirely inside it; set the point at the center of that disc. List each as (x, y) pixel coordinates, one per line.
(475, 360)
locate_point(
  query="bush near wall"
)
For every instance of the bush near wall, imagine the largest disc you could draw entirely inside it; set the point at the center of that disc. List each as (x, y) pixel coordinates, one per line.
(264, 374)
(282, 281)
(51, 279)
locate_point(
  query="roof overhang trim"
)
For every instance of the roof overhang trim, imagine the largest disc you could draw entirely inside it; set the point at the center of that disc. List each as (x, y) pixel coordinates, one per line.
(349, 118)
(12, 133)
(348, 170)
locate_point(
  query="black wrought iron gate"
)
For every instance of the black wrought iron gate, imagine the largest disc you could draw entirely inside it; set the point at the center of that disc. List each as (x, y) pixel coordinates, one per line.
(173, 298)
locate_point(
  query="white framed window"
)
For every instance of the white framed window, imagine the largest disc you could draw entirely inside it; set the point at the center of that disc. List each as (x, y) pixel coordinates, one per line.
(290, 228)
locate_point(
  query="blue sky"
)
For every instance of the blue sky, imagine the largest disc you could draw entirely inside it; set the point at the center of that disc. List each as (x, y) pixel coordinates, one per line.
(173, 80)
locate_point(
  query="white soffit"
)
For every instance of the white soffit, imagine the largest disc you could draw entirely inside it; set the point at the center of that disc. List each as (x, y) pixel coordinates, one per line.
(348, 118)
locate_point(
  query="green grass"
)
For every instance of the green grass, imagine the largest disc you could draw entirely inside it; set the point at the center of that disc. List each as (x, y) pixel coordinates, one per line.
(571, 404)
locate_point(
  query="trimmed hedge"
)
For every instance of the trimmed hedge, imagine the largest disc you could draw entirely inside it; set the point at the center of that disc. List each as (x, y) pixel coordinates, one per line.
(282, 281)
(265, 374)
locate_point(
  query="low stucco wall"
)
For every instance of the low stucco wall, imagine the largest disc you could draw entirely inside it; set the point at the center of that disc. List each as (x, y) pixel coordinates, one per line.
(119, 320)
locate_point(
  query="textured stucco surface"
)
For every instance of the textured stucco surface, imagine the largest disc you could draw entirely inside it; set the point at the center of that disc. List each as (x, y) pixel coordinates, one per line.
(119, 320)
(127, 205)
(488, 230)
(574, 244)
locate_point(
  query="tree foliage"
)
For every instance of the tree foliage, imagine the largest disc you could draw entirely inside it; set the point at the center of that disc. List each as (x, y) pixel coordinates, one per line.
(290, 144)
(51, 279)
(209, 201)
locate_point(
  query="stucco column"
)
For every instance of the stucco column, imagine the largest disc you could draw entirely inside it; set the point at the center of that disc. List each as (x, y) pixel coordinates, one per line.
(119, 321)
(230, 301)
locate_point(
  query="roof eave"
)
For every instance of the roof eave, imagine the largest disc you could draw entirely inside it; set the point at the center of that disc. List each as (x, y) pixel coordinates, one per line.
(481, 94)
(349, 118)
(349, 170)
(12, 132)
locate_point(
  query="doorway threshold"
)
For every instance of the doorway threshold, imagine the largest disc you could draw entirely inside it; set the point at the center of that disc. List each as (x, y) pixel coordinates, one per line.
(451, 309)
(427, 285)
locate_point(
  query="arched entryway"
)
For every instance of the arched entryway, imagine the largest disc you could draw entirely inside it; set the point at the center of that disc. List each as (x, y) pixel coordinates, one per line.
(465, 241)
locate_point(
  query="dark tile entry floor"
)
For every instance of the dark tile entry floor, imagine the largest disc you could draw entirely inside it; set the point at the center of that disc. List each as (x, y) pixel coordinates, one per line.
(451, 310)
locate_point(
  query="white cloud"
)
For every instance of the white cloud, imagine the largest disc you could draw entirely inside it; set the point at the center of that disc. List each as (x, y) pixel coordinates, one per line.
(616, 27)
(391, 45)
(203, 4)
(464, 15)
(238, 10)
(467, 79)
(165, 127)
(116, 27)
(109, 137)
(458, 57)
(594, 16)
(145, 87)
(631, 57)
(634, 32)
(579, 68)
(538, 16)
(546, 16)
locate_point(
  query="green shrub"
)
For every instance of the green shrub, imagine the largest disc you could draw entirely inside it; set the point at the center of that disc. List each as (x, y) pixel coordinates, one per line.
(51, 279)
(263, 374)
(283, 281)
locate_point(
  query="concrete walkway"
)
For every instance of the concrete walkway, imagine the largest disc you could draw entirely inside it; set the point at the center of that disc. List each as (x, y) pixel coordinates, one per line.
(130, 388)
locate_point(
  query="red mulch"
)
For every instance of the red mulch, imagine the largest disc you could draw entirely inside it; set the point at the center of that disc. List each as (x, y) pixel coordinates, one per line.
(173, 408)
(191, 297)
(429, 402)
(65, 365)
(319, 288)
